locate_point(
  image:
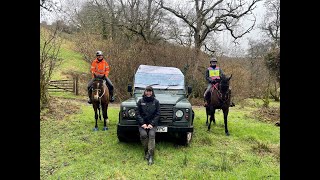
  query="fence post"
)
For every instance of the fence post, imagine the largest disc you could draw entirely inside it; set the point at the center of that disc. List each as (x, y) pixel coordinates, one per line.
(74, 85)
(77, 84)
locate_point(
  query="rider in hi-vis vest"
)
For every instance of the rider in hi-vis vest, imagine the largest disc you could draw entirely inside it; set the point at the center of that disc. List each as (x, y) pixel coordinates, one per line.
(100, 68)
(213, 76)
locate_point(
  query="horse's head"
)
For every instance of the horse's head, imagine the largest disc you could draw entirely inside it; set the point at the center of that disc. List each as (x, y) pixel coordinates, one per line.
(224, 87)
(97, 88)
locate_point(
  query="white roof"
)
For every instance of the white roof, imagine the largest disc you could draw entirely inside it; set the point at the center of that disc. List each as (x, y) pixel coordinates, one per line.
(158, 70)
(159, 77)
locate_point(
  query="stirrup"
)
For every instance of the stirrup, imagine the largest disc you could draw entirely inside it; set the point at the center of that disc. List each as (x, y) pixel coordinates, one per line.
(112, 99)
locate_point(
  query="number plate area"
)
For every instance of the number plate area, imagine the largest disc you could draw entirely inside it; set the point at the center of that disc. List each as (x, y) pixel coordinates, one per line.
(162, 129)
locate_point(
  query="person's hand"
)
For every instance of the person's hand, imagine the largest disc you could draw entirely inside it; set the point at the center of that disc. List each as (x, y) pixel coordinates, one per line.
(144, 126)
(150, 126)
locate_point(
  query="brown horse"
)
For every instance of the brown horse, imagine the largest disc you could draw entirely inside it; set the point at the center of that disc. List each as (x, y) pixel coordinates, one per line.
(220, 96)
(100, 99)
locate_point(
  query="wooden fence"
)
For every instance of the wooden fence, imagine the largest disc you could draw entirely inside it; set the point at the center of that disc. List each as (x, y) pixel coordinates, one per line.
(64, 85)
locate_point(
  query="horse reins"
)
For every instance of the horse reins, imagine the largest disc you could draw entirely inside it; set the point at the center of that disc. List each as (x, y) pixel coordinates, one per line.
(220, 94)
(104, 90)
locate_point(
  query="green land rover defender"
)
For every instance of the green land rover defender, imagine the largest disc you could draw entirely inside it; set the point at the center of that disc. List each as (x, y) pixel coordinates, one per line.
(176, 114)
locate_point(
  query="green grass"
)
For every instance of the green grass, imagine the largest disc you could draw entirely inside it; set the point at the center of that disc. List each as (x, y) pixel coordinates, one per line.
(67, 95)
(69, 149)
(259, 102)
(71, 61)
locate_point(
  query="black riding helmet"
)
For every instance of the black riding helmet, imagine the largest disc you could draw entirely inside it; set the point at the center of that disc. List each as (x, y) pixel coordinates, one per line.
(213, 60)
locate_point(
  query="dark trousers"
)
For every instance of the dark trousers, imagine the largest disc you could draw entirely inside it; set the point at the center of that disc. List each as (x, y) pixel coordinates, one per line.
(206, 91)
(148, 139)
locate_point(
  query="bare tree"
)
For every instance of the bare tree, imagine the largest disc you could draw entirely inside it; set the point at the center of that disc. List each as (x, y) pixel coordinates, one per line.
(271, 26)
(47, 5)
(206, 16)
(142, 18)
(49, 50)
(258, 71)
(271, 23)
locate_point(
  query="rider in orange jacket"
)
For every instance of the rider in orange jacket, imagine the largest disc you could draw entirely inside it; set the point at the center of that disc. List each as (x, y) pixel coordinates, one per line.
(100, 68)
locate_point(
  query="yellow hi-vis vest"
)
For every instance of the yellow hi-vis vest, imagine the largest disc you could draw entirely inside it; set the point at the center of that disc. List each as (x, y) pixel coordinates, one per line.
(214, 73)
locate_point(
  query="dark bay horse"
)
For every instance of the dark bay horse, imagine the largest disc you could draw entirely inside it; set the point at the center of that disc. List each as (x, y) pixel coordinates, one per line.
(100, 99)
(220, 96)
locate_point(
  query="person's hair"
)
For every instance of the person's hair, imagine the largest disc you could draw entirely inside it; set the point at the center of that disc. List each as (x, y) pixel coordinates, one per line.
(148, 88)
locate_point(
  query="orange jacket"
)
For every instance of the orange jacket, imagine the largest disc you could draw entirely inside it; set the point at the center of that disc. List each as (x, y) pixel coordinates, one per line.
(100, 68)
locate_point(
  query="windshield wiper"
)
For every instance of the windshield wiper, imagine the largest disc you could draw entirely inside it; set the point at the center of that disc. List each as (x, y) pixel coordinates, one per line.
(171, 85)
(153, 84)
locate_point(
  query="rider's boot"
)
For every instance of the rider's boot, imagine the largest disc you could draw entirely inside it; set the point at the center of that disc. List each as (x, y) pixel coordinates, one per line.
(89, 95)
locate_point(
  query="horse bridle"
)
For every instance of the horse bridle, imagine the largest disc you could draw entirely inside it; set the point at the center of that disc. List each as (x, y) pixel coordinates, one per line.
(99, 90)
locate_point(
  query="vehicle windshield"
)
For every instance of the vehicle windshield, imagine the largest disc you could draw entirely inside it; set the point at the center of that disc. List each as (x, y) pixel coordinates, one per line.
(159, 77)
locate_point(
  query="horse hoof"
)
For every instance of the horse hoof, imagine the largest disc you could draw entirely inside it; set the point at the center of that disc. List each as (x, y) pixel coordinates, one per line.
(227, 134)
(105, 128)
(95, 129)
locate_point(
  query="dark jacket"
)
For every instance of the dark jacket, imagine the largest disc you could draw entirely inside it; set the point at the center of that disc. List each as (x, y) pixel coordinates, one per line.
(148, 111)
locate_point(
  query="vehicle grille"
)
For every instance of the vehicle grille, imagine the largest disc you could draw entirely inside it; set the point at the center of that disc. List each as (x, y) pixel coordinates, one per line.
(166, 113)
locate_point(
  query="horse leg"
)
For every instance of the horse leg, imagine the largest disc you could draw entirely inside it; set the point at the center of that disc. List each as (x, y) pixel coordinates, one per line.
(96, 119)
(99, 111)
(211, 118)
(207, 113)
(225, 117)
(105, 116)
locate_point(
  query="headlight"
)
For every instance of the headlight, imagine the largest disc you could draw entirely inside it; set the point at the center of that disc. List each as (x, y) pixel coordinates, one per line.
(131, 112)
(179, 113)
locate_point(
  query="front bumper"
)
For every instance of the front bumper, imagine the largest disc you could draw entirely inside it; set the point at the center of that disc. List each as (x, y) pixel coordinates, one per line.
(134, 128)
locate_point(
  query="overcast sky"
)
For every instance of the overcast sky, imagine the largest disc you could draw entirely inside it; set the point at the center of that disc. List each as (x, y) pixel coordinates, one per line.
(224, 38)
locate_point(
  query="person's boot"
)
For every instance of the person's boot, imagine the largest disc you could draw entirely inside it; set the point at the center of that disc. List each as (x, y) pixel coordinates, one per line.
(150, 160)
(89, 94)
(146, 155)
(232, 104)
(111, 96)
(205, 104)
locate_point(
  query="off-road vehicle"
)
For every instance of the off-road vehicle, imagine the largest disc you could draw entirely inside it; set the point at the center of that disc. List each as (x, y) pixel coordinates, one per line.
(176, 114)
